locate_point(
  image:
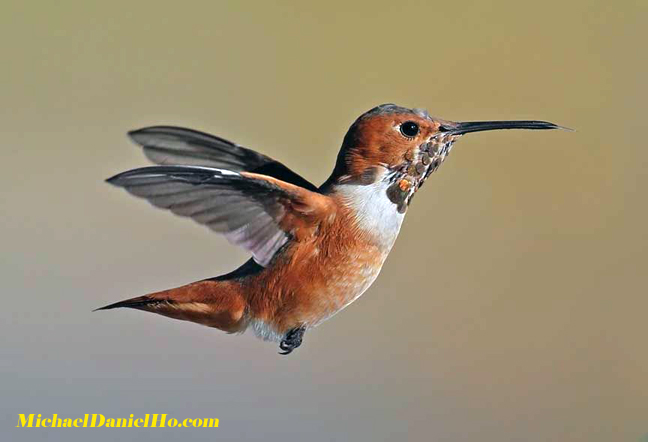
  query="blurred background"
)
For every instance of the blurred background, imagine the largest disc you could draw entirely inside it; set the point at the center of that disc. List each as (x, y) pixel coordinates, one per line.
(513, 306)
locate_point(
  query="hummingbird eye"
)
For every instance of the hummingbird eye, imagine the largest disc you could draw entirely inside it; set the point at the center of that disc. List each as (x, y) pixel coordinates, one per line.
(409, 129)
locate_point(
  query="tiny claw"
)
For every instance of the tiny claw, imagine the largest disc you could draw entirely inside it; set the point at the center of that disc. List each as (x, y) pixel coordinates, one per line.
(292, 340)
(287, 349)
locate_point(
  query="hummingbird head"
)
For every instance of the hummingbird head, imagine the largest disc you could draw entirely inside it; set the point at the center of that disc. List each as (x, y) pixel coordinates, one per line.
(402, 147)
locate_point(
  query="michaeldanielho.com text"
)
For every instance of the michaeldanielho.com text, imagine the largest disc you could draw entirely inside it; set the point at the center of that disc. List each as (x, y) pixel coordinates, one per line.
(99, 420)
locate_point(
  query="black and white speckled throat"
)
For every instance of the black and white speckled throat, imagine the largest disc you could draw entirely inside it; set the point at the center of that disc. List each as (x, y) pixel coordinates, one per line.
(406, 178)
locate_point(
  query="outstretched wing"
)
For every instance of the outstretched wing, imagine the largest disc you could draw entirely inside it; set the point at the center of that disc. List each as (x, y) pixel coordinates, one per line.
(168, 145)
(255, 211)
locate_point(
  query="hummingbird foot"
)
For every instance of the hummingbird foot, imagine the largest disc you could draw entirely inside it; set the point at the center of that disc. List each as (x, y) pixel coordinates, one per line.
(292, 340)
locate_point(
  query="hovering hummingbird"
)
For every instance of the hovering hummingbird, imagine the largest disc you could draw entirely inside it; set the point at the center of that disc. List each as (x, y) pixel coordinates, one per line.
(314, 249)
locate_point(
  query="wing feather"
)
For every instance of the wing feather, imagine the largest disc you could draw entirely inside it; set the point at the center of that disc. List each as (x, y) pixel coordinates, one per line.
(250, 209)
(169, 145)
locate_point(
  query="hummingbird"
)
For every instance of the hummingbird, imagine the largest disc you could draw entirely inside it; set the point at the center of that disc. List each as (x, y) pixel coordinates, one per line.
(314, 250)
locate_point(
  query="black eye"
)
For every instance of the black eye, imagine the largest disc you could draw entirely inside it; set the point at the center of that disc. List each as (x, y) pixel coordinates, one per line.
(409, 129)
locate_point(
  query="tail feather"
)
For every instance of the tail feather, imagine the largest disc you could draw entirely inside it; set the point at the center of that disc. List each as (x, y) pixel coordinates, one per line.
(140, 302)
(213, 303)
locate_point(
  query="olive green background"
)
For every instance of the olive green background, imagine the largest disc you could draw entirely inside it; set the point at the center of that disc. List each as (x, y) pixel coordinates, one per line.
(513, 306)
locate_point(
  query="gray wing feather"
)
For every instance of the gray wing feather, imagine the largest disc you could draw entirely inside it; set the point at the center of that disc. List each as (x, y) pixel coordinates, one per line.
(247, 211)
(177, 145)
(169, 145)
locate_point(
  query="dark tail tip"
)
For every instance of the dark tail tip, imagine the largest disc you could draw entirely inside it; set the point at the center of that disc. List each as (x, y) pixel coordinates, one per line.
(139, 302)
(110, 306)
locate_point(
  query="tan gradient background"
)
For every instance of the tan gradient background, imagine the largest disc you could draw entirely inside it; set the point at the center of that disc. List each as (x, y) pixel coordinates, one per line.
(513, 306)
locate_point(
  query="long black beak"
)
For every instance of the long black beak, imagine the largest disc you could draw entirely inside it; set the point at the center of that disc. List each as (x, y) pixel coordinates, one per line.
(478, 126)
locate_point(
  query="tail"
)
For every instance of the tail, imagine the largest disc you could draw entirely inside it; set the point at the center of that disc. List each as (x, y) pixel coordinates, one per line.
(214, 303)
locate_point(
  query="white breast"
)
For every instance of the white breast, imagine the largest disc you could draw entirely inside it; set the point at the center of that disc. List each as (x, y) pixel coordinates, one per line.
(374, 212)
